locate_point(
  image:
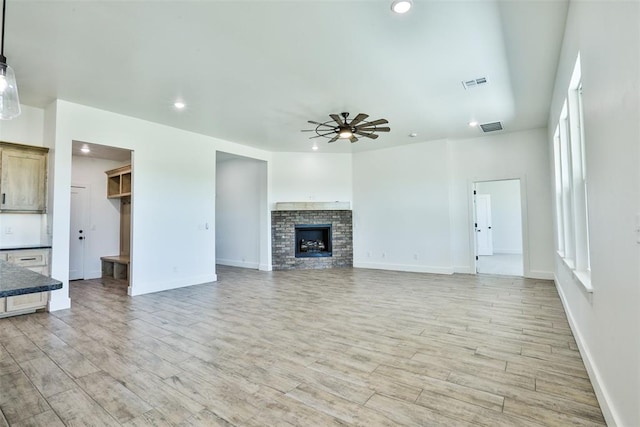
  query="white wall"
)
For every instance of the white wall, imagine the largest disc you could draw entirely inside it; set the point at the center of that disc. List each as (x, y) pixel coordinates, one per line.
(27, 128)
(103, 215)
(506, 216)
(414, 203)
(401, 208)
(304, 177)
(23, 229)
(523, 155)
(240, 190)
(606, 323)
(174, 195)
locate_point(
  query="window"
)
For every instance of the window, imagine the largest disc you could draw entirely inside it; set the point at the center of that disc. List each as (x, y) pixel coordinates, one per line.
(569, 150)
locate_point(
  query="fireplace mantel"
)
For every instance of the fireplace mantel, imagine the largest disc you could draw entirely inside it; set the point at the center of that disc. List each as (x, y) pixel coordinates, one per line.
(312, 206)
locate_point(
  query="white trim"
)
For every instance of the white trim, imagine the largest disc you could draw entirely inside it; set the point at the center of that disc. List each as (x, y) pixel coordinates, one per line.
(141, 289)
(265, 267)
(584, 278)
(602, 394)
(403, 267)
(59, 303)
(507, 251)
(539, 274)
(312, 206)
(236, 263)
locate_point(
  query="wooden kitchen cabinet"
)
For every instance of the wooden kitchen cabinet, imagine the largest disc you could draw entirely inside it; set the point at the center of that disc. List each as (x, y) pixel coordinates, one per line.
(119, 182)
(23, 182)
(35, 260)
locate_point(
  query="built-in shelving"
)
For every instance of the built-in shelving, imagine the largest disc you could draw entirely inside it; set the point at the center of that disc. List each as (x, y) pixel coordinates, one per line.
(119, 182)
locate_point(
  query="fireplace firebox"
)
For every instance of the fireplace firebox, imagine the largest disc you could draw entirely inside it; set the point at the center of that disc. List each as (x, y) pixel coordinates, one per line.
(313, 240)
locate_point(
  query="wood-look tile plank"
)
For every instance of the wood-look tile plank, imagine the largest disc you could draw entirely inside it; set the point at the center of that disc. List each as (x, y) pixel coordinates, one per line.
(19, 399)
(48, 378)
(45, 419)
(407, 414)
(75, 408)
(121, 403)
(339, 408)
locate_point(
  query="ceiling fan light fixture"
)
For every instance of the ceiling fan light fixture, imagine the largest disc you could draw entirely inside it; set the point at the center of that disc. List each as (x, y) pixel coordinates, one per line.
(345, 134)
(401, 6)
(9, 99)
(341, 128)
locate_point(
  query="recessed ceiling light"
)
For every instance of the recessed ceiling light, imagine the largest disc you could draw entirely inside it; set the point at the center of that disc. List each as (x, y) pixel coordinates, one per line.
(401, 6)
(179, 105)
(473, 124)
(413, 134)
(85, 149)
(314, 148)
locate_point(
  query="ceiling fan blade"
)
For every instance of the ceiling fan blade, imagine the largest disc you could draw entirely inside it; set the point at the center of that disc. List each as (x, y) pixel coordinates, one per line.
(360, 117)
(335, 138)
(337, 119)
(385, 129)
(322, 134)
(353, 139)
(368, 135)
(375, 123)
(319, 124)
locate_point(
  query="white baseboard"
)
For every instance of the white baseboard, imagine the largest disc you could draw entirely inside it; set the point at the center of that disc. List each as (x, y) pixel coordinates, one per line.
(507, 251)
(463, 269)
(151, 287)
(236, 263)
(403, 267)
(539, 274)
(59, 301)
(265, 267)
(96, 274)
(604, 398)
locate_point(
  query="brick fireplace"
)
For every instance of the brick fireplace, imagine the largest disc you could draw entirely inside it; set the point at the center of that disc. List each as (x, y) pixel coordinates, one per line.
(327, 236)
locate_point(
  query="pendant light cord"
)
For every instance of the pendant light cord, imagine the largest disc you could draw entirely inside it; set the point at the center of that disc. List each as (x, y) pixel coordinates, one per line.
(4, 7)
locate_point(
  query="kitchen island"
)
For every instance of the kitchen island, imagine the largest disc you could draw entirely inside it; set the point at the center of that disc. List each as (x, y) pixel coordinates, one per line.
(22, 290)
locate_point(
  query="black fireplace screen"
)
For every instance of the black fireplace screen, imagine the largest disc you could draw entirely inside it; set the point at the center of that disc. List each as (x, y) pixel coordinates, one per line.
(313, 240)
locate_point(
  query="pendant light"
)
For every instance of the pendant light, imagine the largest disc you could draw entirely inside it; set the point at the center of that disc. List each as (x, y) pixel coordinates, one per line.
(9, 101)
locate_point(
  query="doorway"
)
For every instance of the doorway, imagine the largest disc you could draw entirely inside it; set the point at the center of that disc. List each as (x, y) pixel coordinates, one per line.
(95, 212)
(498, 227)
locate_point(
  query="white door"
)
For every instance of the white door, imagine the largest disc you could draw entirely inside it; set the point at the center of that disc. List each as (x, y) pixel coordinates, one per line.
(484, 238)
(77, 232)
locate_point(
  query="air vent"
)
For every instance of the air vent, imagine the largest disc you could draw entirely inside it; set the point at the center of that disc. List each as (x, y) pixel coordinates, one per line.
(468, 84)
(491, 127)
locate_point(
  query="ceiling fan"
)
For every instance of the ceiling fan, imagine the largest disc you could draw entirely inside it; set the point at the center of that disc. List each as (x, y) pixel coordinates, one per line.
(341, 128)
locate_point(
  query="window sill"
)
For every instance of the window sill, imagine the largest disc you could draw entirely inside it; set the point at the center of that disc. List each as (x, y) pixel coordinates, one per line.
(584, 278)
(569, 263)
(560, 254)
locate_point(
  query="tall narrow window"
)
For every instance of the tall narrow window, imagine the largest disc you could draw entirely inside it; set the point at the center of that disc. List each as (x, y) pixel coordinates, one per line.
(570, 164)
(558, 188)
(579, 169)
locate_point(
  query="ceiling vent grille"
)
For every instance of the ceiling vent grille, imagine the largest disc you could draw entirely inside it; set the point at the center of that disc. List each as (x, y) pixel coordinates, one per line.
(491, 127)
(468, 84)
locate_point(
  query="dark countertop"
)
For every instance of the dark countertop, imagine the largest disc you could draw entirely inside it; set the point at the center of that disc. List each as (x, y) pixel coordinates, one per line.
(23, 247)
(15, 280)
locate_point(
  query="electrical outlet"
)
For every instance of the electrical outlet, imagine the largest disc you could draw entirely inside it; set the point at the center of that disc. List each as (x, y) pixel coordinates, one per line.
(369, 254)
(8, 230)
(384, 254)
(415, 256)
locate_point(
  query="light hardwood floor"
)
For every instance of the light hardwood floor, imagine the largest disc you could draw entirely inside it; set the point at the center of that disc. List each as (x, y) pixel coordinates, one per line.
(316, 348)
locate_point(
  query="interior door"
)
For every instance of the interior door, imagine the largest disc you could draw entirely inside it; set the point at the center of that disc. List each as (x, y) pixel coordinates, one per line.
(77, 232)
(484, 237)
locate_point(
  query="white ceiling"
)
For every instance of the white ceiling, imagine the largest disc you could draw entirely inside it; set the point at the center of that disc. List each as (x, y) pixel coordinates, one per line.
(254, 72)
